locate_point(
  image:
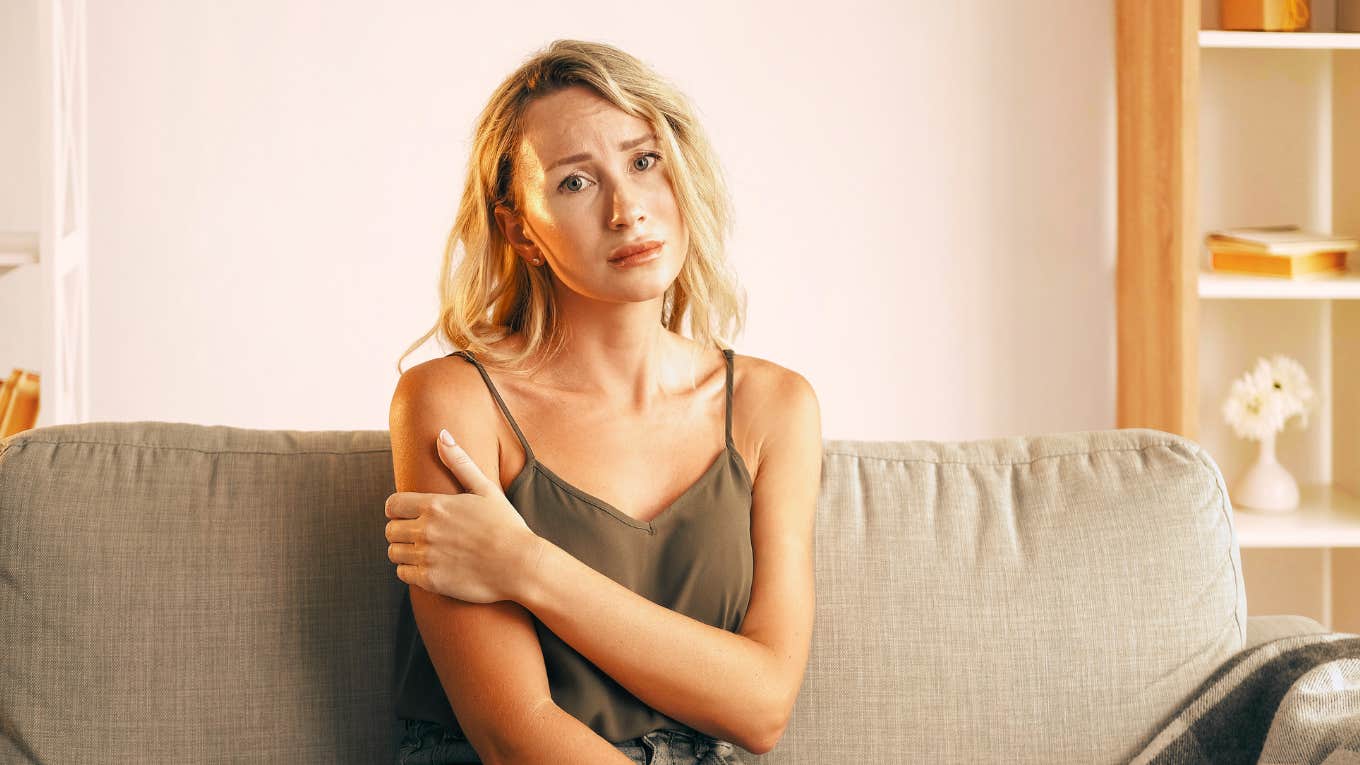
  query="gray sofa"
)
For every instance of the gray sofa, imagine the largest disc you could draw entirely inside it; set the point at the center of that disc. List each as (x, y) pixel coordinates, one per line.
(179, 593)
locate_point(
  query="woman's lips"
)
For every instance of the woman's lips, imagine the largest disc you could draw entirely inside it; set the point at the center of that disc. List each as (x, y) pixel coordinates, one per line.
(633, 248)
(646, 256)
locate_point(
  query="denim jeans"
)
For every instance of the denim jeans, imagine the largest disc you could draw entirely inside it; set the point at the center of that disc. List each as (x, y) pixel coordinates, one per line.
(429, 743)
(674, 747)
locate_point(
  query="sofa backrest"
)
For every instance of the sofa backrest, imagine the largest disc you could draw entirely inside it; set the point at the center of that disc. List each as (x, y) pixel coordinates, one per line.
(176, 592)
(182, 593)
(1043, 599)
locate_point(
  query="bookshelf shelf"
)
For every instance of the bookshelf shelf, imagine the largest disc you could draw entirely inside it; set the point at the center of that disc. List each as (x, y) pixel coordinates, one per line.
(16, 259)
(1222, 38)
(17, 249)
(1216, 285)
(1328, 516)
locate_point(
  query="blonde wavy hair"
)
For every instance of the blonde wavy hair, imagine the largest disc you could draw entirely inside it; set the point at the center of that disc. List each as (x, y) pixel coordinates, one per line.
(490, 293)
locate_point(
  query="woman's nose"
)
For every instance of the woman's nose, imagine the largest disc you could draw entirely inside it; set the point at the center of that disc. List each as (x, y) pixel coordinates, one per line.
(627, 205)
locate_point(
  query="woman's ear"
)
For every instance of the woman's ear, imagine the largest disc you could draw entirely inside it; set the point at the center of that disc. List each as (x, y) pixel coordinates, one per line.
(512, 227)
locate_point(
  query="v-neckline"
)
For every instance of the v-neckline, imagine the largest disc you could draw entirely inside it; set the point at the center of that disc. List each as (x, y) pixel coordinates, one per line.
(648, 526)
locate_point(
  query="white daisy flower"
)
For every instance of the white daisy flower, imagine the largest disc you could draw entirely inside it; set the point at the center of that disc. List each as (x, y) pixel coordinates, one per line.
(1263, 399)
(1292, 382)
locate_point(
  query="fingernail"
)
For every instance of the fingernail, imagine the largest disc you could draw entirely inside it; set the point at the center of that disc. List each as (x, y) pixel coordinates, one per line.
(446, 438)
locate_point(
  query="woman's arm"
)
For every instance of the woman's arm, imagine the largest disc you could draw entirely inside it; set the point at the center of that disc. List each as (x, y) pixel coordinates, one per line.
(487, 656)
(494, 686)
(740, 687)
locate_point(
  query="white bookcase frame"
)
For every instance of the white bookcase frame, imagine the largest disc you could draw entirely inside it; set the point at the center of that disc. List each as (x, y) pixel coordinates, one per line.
(60, 247)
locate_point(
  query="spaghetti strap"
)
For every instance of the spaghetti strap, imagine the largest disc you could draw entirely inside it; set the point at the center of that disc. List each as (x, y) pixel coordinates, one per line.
(524, 442)
(727, 354)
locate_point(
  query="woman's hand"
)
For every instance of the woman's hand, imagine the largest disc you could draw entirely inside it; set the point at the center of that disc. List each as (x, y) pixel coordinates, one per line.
(472, 546)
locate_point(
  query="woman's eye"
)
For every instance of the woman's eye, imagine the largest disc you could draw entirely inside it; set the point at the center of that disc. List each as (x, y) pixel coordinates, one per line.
(563, 186)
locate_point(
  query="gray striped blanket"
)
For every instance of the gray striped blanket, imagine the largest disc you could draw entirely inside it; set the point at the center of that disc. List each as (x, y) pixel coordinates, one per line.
(1290, 700)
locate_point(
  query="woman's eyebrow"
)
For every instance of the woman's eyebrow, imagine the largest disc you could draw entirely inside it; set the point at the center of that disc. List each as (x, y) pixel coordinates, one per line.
(625, 146)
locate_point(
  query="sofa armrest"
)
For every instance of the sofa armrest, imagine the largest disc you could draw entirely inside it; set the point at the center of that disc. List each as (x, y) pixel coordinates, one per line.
(1263, 629)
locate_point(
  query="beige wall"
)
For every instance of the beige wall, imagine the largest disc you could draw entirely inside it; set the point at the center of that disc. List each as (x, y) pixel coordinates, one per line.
(924, 193)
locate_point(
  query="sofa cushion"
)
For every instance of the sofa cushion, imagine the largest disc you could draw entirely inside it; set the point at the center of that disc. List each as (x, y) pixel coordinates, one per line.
(181, 593)
(1032, 599)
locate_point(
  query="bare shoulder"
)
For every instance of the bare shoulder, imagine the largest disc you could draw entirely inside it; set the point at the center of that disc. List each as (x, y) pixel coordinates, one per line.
(779, 402)
(446, 393)
(441, 371)
(766, 372)
(768, 384)
(448, 382)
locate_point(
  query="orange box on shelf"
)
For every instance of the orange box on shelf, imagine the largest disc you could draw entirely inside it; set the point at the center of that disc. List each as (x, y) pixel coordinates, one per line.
(1264, 15)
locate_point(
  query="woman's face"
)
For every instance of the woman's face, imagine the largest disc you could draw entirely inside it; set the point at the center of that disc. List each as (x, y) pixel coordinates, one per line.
(592, 179)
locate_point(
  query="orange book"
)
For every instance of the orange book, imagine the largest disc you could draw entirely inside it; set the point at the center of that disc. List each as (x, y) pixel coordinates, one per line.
(7, 392)
(1264, 15)
(19, 410)
(1287, 266)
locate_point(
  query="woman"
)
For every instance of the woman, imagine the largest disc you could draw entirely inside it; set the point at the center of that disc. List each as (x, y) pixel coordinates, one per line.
(611, 608)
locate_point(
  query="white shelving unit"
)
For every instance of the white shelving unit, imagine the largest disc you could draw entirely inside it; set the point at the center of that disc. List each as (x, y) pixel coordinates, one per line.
(1279, 142)
(46, 200)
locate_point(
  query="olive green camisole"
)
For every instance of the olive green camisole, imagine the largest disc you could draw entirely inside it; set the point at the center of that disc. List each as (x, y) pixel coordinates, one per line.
(694, 558)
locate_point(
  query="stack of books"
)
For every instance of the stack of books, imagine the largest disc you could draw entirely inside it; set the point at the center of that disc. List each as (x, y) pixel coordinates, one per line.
(19, 402)
(1280, 251)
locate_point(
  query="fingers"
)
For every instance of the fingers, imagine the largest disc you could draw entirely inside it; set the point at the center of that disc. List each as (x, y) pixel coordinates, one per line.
(405, 555)
(403, 534)
(407, 504)
(411, 575)
(464, 470)
(405, 531)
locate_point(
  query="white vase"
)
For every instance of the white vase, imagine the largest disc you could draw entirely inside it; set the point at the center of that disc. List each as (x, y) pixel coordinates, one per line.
(1266, 485)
